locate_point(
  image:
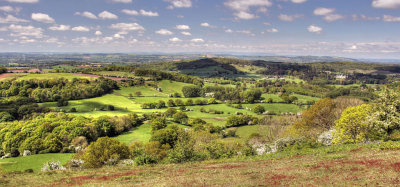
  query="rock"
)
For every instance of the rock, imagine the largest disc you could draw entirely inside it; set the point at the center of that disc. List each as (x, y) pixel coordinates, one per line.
(27, 153)
(326, 137)
(7, 155)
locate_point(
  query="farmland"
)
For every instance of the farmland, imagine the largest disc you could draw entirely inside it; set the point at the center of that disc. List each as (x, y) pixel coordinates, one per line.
(226, 116)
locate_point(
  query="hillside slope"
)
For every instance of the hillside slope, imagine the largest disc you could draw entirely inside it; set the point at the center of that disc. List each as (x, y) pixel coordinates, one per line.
(344, 166)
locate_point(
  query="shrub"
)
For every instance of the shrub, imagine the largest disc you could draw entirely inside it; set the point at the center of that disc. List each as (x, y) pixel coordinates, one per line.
(180, 117)
(103, 151)
(171, 103)
(258, 109)
(158, 123)
(353, 126)
(212, 101)
(168, 135)
(72, 110)
(170, 112)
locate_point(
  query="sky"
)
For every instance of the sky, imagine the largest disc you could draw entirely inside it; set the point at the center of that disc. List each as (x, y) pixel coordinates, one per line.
(347, 28)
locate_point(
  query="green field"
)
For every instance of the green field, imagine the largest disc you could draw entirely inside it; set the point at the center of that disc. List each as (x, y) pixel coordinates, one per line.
(42, 76)
(138, 134)
(34, 162)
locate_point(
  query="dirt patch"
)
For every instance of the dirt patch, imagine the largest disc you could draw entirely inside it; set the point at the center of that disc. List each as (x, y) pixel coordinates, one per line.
(80, 180)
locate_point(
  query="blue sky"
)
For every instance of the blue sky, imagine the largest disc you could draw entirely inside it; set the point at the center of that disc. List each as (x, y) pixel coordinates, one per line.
(349, 28)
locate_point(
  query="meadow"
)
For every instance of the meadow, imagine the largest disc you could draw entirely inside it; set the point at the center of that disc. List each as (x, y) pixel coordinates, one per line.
(345, 165)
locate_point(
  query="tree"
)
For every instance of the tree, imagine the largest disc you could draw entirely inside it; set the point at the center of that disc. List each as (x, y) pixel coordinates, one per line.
(179, 102)
(171, 103)
(189, 102)
(353, 126)
(258, 109)
(160, 104)
(191, 91)
(170, 112)
(138, 93)
(168, 135)
(158, 123)
(104, 151)
(212, 101)
(180, 117)
(250, 96)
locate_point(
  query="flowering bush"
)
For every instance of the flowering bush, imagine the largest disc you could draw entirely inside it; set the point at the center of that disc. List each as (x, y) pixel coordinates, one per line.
(52, 166)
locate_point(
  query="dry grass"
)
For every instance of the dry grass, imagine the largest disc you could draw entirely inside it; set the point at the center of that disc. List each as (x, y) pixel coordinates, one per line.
(357, 167)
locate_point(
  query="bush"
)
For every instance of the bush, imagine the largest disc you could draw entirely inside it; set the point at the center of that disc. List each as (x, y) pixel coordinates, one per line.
(158, 123)
(353, 126)
(258, 109)
(170, 112)
(167, 135)
(180, 117)
(103, 151)
(52, 166)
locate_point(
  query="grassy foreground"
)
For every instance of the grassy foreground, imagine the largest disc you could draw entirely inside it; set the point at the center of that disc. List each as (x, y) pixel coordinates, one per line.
(334, 166)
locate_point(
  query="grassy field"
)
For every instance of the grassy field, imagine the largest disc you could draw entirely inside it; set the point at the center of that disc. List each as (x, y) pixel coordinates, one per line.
(347, 165)
(138, 134)
(29, 76)
(34, 162)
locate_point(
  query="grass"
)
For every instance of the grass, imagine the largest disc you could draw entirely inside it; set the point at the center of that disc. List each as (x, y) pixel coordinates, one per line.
(34, 162)
(138, 134)
(345, 165)
(42, 76)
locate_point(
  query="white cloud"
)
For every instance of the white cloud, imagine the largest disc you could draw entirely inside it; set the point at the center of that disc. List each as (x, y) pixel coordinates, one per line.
(333, 17)
(130, 12)
(365, 18)
(40, 17)
(182, 27)
(289, 18)
(299, 1)
(23, 1)
(122, 1)
(107, 15)
(273, 30)
(98, 33)
(242, 7)
(245, 15)
(164, 32)
(11, 19)
(87, 15)
(148, 13)
(387, 4)
(118, 36)
(6, 9)
(81, 29)
(126, 27)
(60, 28)
(19, 30)
(186, 33)
(197, 40)
(205, 24)
(388, 18)
(179, 3)
(314, 29)
(323, 11)
(247, 32)
(175, 39)
(328, 14)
